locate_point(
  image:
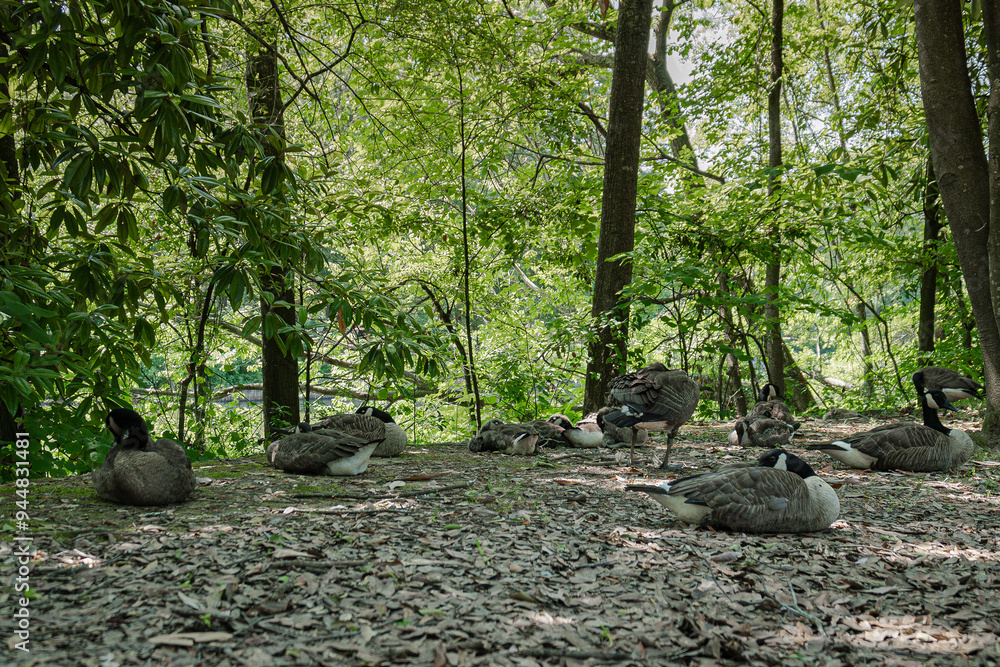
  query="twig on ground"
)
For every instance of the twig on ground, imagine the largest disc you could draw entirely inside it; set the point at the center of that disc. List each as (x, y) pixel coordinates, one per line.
(385, 496)
(794, 607)
(570, 455)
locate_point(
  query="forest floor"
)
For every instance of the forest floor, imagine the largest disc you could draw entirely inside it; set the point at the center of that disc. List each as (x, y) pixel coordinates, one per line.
(445, 557)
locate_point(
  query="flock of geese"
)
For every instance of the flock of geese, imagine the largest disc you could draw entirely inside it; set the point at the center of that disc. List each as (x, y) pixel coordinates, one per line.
(141, 471)
(780, 493)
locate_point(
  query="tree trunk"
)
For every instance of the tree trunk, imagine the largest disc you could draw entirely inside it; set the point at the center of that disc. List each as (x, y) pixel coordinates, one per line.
(928, 278)
(798, 395)
(280, 369)
(866, 349)
(734, 384)
(991, 29)
(665, 93)
(962, 170)
(772, 276)
(609, 349)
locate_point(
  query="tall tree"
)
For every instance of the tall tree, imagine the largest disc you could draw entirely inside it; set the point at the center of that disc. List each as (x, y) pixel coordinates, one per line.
(609, 348)
(963, 172)
(279, 367)
(928, 276)
(772, 276)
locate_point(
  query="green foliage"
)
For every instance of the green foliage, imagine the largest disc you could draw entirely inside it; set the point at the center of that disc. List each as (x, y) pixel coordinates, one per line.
(152, 211)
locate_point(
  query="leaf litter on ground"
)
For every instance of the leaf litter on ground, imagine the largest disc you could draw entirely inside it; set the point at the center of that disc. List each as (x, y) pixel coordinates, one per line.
(447, 557)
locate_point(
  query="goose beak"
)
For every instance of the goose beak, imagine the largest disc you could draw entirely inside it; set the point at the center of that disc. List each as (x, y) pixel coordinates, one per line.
(938, 400)
(946, 404)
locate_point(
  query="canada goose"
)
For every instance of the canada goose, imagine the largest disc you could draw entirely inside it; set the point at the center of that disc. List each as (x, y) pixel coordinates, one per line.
(954, 385)
(771, 405)
(781, 494)
(344, 451)
(614, 435)
(761, 432)
(592, 433)
(550, 433)
(654, 398)
(905, 446)
(395, 436)
(140, 471)
(574, 436)
(496, 436)
(392, 437)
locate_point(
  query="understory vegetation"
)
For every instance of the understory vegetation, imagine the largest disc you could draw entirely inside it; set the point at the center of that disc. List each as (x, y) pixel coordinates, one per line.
(421, 185)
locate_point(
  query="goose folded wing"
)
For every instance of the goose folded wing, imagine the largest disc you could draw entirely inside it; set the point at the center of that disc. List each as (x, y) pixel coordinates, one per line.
(754, 498)
(308, 452)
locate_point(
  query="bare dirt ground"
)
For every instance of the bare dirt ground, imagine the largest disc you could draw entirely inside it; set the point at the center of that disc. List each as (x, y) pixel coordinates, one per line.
(445, 557)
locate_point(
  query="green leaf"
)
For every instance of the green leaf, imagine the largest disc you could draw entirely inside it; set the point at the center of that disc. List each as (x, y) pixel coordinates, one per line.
(171, 198)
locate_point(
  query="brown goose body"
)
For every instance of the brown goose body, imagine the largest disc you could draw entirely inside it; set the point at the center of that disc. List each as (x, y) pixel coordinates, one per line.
(771, 405)
(654, 397)
(761, 432)
(496, 436)
(393, 436)
(559, 431)
(550, 434)
(781, 494)
(617, 435)
(953, 384)
(141, 471)
(324, 451)
(905, 446)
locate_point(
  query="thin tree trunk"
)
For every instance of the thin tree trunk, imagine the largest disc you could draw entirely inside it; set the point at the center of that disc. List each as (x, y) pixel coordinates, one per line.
(609, 348)
(470, 369)
(280, 369)
(838, 115)
(866, 349)
(772, 276)
(665, 93)
(963, 172)
(444, 313)
(928, 277)
(734, 384)
(197, 368)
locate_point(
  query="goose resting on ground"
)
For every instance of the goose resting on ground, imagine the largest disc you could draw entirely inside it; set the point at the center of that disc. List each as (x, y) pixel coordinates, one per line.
(761, 432)
(394, 437)
(496, 436)
(781, 494)
(345, 451)
(654, 397)
(141, 471)
(562, 433)
(771, 405)
(905, 446)
(615, 435)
